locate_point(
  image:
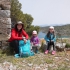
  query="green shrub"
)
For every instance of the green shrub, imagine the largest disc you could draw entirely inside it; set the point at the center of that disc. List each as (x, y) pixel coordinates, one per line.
(67, 45)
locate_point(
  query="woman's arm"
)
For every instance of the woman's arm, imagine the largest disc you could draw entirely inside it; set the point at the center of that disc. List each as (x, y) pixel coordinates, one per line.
(25, 34)
(13, 35)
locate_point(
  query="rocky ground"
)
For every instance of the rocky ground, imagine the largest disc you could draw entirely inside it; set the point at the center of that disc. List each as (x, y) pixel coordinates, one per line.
(59, 61)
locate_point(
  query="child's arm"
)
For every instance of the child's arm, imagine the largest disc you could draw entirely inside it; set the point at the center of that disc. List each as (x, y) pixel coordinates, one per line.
(38, 41)
(31, 40)
(47, 39)
(54, 39)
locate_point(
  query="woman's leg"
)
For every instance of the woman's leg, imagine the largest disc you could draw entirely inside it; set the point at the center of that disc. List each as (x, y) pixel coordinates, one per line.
(15, 45)
(11, 45)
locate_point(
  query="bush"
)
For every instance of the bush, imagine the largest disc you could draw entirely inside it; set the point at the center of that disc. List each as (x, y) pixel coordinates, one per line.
(42, 47)
(67, 45)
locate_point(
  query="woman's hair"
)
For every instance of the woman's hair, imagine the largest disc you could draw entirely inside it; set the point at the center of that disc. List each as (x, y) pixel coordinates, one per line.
(20, 29)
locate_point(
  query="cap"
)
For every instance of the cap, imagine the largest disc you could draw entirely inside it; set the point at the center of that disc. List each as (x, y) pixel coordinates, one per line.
(51, 27)
(34, 32)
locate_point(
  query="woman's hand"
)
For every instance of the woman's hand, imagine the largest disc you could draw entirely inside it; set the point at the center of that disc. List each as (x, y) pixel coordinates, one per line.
(25, 40)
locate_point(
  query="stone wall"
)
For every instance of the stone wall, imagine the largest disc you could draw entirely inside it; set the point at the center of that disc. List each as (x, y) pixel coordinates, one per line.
(5, 20)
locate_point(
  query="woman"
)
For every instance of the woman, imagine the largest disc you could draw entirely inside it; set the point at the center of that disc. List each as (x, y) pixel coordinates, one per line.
(17, 34)
(50, 39)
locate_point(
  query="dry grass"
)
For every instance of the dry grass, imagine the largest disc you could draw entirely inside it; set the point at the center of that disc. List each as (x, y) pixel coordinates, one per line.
(61, 60)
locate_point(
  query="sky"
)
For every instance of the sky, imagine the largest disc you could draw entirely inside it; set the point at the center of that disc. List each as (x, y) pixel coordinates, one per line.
(47, 12)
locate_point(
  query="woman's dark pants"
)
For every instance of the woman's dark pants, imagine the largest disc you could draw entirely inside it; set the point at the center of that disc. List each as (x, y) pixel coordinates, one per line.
(14, 45)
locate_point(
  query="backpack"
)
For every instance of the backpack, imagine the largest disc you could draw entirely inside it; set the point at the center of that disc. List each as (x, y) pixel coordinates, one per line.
(24, 49)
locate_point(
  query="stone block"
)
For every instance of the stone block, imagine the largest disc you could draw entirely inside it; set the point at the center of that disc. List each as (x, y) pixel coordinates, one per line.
(5, 7)
(3, 31)
(7, 2)
(5, 25)
(5, 13)
(5, 20)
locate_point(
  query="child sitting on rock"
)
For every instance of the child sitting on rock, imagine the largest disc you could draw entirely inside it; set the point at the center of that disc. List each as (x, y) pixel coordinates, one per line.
(50, 40)
(35, 43)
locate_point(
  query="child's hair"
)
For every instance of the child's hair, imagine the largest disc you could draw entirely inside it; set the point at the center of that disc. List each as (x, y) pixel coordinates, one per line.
(48, 34)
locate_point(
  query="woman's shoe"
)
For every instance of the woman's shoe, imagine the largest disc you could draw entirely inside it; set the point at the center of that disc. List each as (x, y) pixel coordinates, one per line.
(46, 52)
(16, 55)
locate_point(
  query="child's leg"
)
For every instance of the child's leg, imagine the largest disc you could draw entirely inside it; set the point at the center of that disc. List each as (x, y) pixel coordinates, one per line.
(34, 49)
(48, 46)
(37, 48)
(52, 43)
(53, 52)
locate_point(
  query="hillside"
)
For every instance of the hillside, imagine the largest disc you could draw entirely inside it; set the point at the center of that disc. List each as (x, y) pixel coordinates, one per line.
(63, 30)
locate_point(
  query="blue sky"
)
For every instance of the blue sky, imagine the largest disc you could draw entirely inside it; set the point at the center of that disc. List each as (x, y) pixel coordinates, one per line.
(47, 12)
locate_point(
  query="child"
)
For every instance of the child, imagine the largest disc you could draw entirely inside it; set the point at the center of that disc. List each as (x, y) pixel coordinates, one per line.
(50, 39)
(35, 42)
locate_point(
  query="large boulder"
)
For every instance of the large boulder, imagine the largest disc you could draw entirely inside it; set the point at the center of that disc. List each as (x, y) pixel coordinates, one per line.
(60, 46)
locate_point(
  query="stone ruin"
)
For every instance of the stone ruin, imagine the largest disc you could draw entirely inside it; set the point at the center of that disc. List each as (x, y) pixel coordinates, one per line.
(5, 20)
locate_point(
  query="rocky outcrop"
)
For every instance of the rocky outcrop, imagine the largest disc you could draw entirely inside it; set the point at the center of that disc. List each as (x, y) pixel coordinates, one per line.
(60, 46)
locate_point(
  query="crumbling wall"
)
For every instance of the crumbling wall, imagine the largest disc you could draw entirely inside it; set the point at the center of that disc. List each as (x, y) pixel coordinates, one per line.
(5, 20)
